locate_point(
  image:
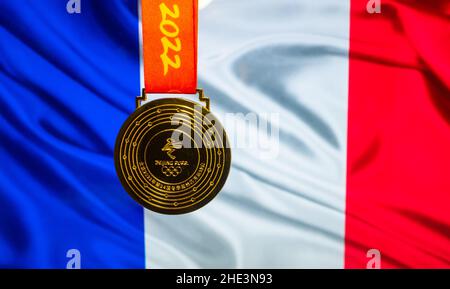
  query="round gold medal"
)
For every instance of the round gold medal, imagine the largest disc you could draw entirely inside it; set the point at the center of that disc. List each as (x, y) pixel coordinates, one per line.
(172, 156)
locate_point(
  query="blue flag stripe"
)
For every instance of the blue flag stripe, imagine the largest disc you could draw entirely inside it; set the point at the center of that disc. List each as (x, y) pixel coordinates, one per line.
(67, 83)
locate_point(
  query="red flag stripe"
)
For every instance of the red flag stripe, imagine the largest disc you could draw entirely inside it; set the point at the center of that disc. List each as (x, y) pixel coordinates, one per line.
(398, 164)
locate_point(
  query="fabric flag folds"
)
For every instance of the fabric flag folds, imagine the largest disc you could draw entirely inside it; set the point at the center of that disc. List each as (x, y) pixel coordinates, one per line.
(398, 189)
(362, 164)
(67, 83)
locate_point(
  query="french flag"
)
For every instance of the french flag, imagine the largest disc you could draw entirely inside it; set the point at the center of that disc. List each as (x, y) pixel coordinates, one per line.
(361, 173)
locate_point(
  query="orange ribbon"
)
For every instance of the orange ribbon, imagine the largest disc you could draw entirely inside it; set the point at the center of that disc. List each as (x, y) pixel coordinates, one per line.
(170, 45)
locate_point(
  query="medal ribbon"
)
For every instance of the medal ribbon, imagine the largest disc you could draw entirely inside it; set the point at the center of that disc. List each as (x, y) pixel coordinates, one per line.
(169, 31)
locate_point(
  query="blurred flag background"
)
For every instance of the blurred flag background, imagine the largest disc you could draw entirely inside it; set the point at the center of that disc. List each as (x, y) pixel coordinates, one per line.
(362, 161)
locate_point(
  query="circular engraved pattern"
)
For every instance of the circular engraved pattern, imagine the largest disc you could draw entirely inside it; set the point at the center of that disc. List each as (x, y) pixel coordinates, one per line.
(178, 161)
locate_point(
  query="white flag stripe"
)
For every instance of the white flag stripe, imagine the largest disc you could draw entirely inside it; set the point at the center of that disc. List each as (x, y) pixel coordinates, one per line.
(288, 57)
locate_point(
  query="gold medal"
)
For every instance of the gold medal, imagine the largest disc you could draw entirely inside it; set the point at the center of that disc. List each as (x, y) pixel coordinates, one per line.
(172, 155)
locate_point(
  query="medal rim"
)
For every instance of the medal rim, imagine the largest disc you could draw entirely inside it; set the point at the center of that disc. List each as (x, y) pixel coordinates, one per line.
(220, 182)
